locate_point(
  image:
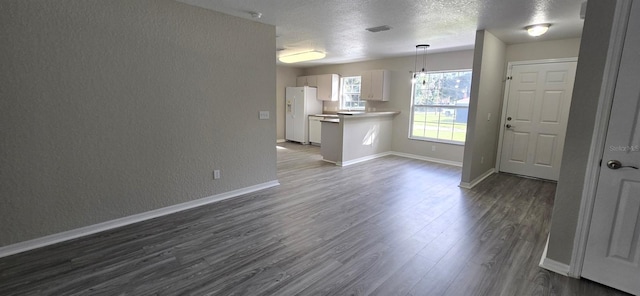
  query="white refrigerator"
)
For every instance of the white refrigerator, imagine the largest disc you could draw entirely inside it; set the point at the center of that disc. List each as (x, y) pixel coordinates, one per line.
(300, 103)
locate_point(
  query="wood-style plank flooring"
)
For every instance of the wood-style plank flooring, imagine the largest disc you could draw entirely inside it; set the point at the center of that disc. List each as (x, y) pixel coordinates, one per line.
(389, 226)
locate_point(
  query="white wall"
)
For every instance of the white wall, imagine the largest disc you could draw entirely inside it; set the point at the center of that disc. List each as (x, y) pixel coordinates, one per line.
(401, 97)
(112, 108)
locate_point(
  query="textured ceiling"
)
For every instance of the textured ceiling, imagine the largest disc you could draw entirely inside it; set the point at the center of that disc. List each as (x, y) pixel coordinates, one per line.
(337, 27)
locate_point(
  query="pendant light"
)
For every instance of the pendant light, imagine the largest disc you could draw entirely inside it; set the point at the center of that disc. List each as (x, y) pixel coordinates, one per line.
(420, 76)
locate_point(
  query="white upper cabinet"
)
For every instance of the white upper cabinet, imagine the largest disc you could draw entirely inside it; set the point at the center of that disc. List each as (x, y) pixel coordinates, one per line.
(327, 85)
(375, 85)
(307, 81)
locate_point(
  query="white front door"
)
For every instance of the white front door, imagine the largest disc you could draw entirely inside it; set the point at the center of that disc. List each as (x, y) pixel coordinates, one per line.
(613, 247)
(537, 108)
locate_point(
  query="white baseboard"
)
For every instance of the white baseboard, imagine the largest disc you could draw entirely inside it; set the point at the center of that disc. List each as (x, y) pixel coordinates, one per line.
(329, 161)
(555, 266)
(362, 159)
(91, 229)
(476, 181)
(280, 140)
(419, 157)
(552, 265)
(406, 155)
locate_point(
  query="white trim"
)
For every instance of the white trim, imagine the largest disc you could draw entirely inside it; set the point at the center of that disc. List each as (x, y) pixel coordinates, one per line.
(596, 150)
(329, 161)
(362, 159)
(401, 154)
(280, 140)
(108, 225)
(552, 265)
(543, 61)
(555, 266)
(425, 158)
(476, 181)
(505, 97)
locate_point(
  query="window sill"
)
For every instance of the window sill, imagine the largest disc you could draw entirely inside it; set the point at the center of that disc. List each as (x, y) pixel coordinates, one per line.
(437, 141)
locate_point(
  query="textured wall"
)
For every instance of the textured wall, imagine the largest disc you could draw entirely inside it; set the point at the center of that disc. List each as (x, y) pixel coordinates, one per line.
(542, 50)
(582, 120)
(486, 97)
(112, 108)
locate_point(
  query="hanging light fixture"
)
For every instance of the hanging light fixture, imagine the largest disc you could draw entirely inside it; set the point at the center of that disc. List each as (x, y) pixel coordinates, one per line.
(420, 76)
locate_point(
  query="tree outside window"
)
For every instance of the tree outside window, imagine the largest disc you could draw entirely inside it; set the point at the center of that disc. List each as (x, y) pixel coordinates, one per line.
(440, 107)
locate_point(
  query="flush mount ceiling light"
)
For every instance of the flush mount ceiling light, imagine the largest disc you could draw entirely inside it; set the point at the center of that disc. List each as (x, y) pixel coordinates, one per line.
(378, 29)
(421, 75)
(537, 30)
(302, 57)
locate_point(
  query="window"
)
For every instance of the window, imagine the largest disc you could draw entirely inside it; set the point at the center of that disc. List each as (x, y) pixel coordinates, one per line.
(350, 93)
(439, 107)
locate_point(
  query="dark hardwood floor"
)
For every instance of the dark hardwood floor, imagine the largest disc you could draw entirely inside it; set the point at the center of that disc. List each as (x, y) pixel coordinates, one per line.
(389, 226)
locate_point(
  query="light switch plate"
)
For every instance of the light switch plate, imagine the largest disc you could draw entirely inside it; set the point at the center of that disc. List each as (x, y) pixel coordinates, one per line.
(264, 114)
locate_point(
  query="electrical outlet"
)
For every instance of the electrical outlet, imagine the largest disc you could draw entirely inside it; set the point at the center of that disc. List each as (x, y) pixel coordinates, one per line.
(216, 174)
(488, 116)
(264, 115)
(433, 148)
(482, 159)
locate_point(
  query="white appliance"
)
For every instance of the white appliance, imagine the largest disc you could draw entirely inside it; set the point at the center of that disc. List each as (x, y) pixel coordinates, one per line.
(315, 129)
(300, 103)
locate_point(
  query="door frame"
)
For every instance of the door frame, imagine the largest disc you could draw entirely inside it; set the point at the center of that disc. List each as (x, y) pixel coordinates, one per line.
(596, 150)
(505, 97)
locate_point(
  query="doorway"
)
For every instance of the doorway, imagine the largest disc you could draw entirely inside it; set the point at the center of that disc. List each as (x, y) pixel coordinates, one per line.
(535, 112)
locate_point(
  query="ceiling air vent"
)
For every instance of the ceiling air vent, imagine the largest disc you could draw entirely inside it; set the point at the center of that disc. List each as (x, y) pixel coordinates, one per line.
(378, 29)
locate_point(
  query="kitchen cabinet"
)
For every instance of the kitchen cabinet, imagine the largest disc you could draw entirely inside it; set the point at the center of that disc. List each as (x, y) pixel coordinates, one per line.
(327, 85)
(307, 81)
(375, 84)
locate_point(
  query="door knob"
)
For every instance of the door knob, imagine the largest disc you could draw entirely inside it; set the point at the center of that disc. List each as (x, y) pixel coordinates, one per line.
(509, 118)
(508, 126)
(616, 164)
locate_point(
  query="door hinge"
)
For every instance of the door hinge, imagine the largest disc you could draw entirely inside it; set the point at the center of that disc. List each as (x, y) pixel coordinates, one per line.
(600, 164)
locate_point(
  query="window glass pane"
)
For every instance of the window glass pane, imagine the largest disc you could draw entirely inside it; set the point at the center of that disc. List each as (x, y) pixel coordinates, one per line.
(350, 93)
(440, 106)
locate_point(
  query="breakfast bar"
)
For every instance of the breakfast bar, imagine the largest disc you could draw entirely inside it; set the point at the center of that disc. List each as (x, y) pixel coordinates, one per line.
(353, 137)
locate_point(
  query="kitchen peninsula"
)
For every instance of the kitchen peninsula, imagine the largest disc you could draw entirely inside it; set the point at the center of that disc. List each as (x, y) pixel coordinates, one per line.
(352, 137)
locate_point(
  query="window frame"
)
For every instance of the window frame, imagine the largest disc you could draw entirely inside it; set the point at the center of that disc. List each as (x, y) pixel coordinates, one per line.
(413, 106)
(360, 100)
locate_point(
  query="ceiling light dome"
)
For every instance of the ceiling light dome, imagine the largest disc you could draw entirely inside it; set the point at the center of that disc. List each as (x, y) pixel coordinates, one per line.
(537, 30)
(303, 57)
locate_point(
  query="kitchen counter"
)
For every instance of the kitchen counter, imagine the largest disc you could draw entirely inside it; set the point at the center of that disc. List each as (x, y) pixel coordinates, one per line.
(353, 114)
(352, 137)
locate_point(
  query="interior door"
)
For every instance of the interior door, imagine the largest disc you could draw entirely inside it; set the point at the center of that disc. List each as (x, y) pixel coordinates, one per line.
(538, 100)
(613, 247)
